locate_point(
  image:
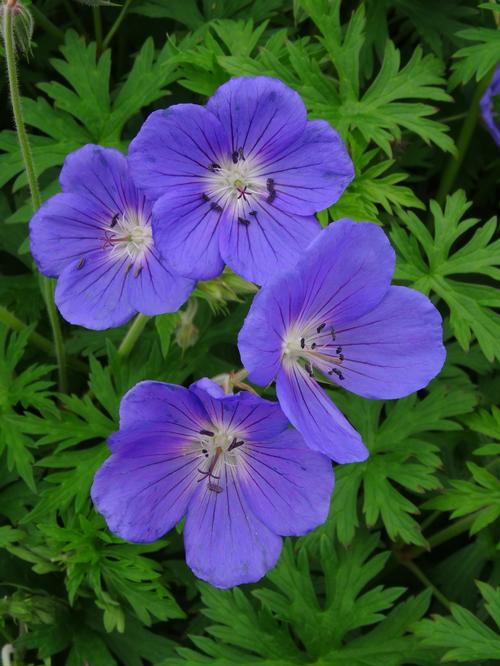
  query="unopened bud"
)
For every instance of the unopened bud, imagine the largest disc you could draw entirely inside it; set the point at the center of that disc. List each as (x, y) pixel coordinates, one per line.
(225, 289)
(234, 379)
(22, 25)
(186, 333)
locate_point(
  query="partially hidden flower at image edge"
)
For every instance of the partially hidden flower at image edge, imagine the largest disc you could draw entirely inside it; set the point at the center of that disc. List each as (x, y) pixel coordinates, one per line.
(335, 318)
(238, 181)
(96, 238)
(229, 463)
(490, 106)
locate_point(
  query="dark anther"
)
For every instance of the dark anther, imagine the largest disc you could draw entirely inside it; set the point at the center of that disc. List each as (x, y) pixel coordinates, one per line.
(205, 197)
(332, 331)
(253, 213)
(214, 167)
(216, 207)
(81, 263)
(271, 197)
(309, 369)
(114, 220)
(335, 371)
(214, 487)
(235, 157)
(244, 221)
(270, 184)
(138, 272)
(241, 155)
(128, 269)
(320, 327)
(338, 350)
(235, 444)
(208, 433)
(341, 357)
(313, 345)
(302, 343)
(204, 451)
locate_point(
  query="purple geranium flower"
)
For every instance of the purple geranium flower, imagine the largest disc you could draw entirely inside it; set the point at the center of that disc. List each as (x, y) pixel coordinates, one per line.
(238, 181)
(490, 106)
(228, 463)
(336, 313)
(96, 238)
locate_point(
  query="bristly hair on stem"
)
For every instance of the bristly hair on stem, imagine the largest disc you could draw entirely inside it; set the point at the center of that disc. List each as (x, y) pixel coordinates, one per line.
(10, 15)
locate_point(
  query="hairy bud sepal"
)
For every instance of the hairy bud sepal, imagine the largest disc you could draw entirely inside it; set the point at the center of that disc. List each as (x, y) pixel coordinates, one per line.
(20, 21)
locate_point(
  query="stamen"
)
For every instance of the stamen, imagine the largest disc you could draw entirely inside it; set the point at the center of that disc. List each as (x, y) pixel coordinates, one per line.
(313, 345)
(270, 185)
(336, 371)
(271, 197)
(205, 197)
(114, 220)
(216, 207)
(138, 272)
(208, 433)
(309, 370)
(240, 152)
(244, 221)
(320, 327)
(338, 350)
(341, 357)
(332, 331)
(234, 157)
(253, 213)
(81, 264)
(214, 167)
(235, 444)
(302, 343)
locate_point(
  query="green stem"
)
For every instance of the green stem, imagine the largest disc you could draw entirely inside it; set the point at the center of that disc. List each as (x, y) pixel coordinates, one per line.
(464, 139)
(96, 11)
(132, 335)
(411, 566)
(46, 24)
(116, 24)
(36, 200)
(44, 344)
(452, 531)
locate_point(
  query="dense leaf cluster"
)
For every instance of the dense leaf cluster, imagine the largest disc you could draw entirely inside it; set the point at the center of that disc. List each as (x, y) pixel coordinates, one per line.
(405, 570)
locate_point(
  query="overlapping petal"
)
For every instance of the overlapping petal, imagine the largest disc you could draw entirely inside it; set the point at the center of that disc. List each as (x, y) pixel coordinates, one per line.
(395, 349)
(287, 486)
(226, 544)
(322, 425)
(267, 243)
(144, 489)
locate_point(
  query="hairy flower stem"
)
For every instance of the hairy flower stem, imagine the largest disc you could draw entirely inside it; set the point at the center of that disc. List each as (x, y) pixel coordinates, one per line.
(416, 571)
(464, 139)
(36, 200)
(132, 335)
(116, 24)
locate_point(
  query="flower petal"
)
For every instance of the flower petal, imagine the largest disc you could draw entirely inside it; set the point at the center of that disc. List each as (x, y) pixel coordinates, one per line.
(315, 416)
(173, 408)
(102, 175)
(249, 415)
(287, 485)
(155, 289)
(262, 115)
(225, 543)
(144, 490)
(175, 147)
(186, 233)
(313, 173)
(65, 228)
(345, 273)
(95, 294)
(265, 244)
(395, 349)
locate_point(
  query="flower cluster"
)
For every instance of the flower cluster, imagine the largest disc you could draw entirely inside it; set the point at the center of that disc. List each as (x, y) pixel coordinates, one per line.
(235, 182)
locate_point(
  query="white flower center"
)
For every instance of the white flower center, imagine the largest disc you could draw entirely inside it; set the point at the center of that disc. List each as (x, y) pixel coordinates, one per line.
(128, 235)
(315, 345)
(219, 447)
(235, 182)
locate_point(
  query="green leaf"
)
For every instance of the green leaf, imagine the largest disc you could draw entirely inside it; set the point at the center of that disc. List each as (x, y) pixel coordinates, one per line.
(165, 327)
(477, 60)
(428, 262)
(462, 635)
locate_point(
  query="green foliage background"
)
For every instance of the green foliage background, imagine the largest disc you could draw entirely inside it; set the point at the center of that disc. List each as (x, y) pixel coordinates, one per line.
(405, 571)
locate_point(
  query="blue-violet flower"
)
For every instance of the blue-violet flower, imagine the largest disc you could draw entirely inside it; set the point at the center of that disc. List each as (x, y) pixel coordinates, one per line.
(239, 180)
(337, 314)
(229, 463)
(490, 106)
(96, 238)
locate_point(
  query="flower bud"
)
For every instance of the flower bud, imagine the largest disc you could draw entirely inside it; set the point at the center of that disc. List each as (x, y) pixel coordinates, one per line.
(225, 289)
(22, 24)
(186, 333)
